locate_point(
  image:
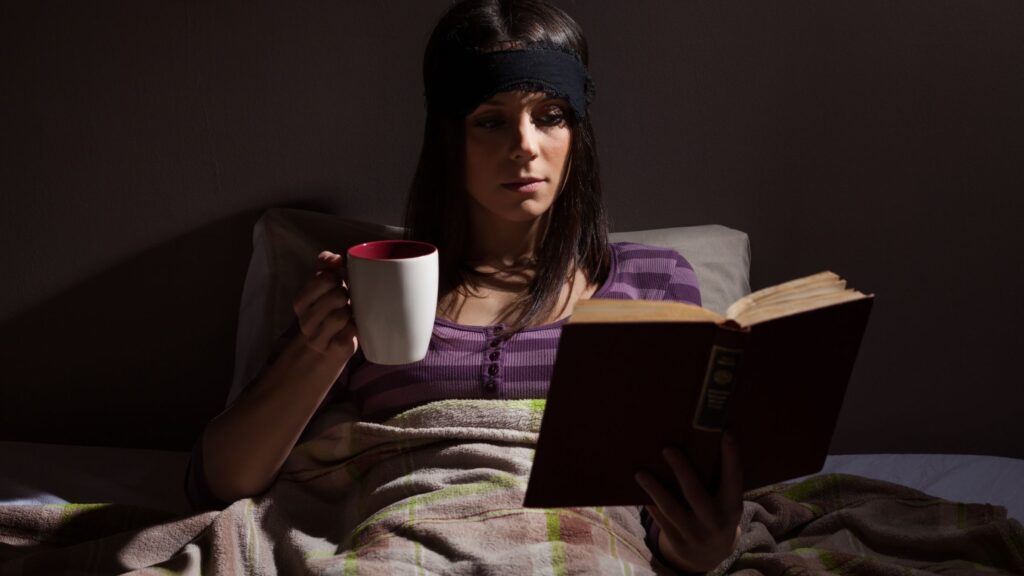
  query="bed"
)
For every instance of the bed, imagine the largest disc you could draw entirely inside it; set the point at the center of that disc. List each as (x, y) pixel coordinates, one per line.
(285, 243)
(55, 474)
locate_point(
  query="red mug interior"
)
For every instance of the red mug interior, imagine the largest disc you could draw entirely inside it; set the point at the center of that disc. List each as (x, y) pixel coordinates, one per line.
(391, 250)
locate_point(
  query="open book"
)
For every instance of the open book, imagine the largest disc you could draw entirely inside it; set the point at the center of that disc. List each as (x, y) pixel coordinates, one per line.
(632, 376)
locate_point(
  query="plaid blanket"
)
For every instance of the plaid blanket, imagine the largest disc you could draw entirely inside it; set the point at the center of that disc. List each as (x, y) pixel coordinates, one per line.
(845, 524)
(437, 490)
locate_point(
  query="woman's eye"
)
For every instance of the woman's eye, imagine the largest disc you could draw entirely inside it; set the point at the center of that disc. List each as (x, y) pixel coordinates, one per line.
(487, 122)
(552, 119)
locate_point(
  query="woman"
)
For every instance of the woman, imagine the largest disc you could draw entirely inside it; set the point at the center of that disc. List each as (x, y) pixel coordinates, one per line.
(507, 187)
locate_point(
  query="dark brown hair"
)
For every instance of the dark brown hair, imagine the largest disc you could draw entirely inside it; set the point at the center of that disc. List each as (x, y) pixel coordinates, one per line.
(437, 209)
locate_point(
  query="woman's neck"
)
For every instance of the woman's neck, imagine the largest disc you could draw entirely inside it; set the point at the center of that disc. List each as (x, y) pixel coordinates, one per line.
(500, 244)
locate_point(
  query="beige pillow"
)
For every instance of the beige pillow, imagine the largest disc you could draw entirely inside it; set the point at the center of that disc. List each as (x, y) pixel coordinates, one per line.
(286, 242)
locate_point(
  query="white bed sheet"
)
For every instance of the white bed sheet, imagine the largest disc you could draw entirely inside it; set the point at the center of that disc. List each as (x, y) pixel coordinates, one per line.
(47, 473)
(32, 473)
(957, 477)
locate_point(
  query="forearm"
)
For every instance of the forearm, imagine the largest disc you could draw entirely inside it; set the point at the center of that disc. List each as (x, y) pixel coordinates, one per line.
(245, 446)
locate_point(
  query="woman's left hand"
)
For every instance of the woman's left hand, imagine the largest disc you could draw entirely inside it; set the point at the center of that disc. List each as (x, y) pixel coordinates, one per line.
(696, 538)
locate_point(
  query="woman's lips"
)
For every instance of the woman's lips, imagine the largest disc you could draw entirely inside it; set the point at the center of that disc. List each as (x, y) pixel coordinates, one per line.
(524, 187)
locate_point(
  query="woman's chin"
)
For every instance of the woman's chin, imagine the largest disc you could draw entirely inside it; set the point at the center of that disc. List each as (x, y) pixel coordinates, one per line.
(524, 215)
(533, 208)
(525, 211)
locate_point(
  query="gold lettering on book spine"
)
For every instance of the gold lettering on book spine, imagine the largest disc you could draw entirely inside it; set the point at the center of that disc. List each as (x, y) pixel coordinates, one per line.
(719, 382)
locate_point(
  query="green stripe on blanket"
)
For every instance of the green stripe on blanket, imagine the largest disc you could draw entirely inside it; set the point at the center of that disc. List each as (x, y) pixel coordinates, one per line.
(555, 539)
(457, 468)
(404, 507)
(439, 490)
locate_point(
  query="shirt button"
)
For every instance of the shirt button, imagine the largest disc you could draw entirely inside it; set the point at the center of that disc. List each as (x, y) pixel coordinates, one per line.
(492, 369)
(490, 384)
(494, 355)
(498, 329)
(495, 343)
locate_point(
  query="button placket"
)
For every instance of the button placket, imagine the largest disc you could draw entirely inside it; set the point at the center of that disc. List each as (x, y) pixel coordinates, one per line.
(490, 369)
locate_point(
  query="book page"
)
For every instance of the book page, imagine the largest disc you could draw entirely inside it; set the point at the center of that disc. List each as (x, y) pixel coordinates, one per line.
(792, 297)
(814, 281)
(609, 310)
(810, 291)
(790, 307)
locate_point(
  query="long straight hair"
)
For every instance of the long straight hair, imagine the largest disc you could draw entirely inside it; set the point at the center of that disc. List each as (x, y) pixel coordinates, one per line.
(576, 234)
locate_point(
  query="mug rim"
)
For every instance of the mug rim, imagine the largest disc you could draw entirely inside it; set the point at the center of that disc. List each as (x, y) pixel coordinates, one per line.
(352, 252)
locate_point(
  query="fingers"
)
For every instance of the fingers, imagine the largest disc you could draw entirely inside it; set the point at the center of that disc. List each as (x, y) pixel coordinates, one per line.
(704, 511)
(697, 538)
(333, 263)
(730, 492)
(664, 522)
(691, 486)
(319, 334)
(321, 283)
(322, 306)
(329, 274)
(327, 260)
(673, 513)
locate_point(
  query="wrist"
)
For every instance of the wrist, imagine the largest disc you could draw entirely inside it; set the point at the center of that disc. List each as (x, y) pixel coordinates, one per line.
(297, 371)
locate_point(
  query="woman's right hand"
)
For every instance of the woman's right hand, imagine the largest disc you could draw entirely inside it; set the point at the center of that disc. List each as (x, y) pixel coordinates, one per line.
(325, 312)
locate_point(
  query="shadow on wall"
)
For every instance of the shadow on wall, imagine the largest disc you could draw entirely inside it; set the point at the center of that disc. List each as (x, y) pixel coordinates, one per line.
(140, 355)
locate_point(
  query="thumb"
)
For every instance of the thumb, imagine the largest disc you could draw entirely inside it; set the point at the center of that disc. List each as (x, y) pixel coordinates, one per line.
(333, 262)
(328, 260)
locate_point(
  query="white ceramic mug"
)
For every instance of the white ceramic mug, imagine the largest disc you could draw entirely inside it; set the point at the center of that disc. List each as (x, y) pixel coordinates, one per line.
(393, 287)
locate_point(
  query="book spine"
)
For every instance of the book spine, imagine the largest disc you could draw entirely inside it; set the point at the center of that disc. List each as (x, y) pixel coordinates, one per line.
(719, 379)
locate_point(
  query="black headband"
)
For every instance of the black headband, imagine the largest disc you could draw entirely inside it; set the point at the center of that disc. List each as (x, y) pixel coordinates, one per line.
(469, 78)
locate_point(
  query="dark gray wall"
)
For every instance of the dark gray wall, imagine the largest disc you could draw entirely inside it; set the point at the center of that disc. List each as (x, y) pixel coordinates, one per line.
(882, 140)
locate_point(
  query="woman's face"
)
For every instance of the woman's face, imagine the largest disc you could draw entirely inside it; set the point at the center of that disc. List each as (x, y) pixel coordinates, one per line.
(516, 149)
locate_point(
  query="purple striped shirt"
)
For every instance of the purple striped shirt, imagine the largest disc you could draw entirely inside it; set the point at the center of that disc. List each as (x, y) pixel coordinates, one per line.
(480, 362)
(468, 362)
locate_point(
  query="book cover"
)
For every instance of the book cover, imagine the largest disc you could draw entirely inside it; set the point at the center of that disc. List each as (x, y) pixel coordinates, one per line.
(623, 390)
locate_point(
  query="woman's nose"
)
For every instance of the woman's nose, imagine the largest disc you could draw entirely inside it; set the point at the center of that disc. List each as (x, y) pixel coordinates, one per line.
(525, 144)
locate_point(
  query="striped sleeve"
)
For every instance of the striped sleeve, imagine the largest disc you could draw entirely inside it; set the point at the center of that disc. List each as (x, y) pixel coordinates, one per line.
(683, 285)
